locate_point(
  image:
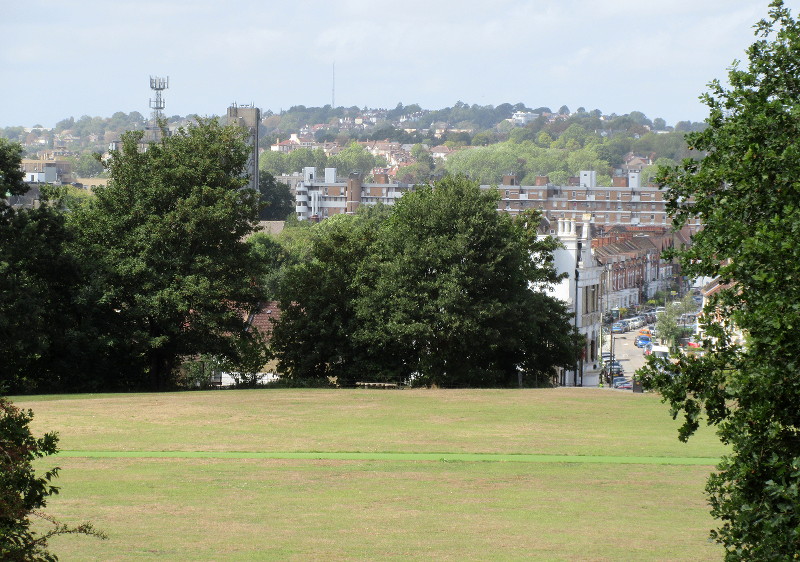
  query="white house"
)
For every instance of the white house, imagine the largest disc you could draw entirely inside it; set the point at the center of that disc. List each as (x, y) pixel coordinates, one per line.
(581, 290)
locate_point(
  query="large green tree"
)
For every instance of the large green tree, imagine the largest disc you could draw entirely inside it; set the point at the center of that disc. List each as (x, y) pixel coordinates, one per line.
(276, 198)
(170, 271)
(450, 297)
(747, 192)
(314, 339)
(405, 296)
(37, 280)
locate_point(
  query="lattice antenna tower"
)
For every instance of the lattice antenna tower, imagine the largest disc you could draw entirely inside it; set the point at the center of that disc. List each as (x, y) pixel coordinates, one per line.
(158, 85)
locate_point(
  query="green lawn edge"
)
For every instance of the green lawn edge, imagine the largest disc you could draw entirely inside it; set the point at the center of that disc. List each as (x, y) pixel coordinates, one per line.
(388, 456)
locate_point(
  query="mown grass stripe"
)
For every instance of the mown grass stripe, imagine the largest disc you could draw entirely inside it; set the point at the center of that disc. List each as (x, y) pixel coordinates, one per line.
(382, 456)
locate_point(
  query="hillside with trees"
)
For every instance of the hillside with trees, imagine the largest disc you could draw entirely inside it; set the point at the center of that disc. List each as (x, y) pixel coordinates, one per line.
(486, 141)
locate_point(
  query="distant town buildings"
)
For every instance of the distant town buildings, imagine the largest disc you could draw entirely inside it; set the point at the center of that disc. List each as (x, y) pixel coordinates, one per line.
(625, 203)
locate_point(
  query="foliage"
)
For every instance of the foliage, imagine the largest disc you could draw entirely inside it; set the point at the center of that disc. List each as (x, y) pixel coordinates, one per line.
(414, 174)
(87, 165)
(746, 192)
(526, 160)
(164, 241)
(314, 338)
(23, 492)
(276, 198)
(450, 271)
(668, 326)
(404, 297)
(37, 278)
(11, 173)
(354, 158)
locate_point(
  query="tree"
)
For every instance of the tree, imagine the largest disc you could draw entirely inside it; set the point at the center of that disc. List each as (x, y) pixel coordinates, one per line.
(414, 173)
(669, 326)
(276, 163)
(37, 280)
(170, 274)
(22, 492)
(354, 158)
(745, 190)
(88, 165)
(314, 338)
(276, 198)
(404, 296)
(305, 157)
(11, 173)
(422, 156)
(450, 299)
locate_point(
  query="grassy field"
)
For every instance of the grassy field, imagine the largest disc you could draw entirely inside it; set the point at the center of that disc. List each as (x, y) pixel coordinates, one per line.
(200, 501)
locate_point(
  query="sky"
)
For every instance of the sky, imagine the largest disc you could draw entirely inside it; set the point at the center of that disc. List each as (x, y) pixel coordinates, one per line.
(69, 58)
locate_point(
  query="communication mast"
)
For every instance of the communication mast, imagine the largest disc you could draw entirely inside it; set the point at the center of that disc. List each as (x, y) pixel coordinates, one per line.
(158, 85)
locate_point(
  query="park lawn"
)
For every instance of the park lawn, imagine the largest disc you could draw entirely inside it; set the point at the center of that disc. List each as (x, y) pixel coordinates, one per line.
(300, 509)
(559, 421)
(213, 509)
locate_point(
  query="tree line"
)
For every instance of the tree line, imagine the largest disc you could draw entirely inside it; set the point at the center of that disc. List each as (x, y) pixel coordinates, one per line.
(117, 291)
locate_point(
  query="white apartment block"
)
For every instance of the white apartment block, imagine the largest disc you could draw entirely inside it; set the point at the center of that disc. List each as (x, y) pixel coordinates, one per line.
(625, 203)
(317, 200)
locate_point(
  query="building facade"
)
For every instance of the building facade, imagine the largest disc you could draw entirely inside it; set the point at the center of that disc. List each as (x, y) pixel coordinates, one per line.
(626, 202)
(249, 118)
(581, 290)
(318, 199)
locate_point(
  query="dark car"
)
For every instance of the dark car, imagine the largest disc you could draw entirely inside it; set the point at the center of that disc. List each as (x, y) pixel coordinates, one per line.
(615, 368)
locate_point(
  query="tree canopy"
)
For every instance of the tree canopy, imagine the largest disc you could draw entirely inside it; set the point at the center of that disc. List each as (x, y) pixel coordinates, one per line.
(37, 279)
(747, 192)
(404, 296)
(164, 241)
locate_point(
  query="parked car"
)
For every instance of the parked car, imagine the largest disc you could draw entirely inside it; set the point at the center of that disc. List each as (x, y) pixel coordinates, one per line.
(627, 385)
(617, 328)
(616, 381)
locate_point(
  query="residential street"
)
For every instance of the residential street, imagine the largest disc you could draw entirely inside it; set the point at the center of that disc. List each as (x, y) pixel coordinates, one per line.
(629, 356)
